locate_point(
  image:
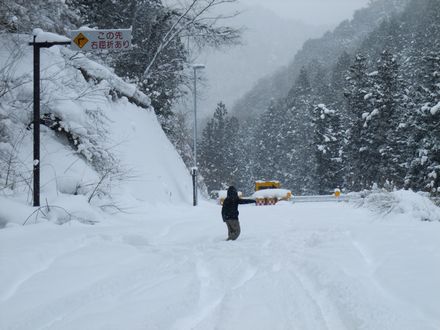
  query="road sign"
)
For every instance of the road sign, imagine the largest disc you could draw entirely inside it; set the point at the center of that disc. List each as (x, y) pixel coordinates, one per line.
(80, 40)
(98, 40)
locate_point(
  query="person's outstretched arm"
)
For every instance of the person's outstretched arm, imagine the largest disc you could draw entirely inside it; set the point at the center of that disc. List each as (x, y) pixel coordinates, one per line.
(246, 201)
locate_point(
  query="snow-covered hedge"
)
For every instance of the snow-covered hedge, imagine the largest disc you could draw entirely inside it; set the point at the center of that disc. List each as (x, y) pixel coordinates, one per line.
(417, 205)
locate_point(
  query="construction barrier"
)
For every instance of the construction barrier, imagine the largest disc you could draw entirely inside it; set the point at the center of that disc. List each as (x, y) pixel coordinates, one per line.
(265, 201)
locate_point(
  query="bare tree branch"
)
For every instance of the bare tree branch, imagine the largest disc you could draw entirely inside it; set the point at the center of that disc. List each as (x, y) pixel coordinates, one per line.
(191, 24)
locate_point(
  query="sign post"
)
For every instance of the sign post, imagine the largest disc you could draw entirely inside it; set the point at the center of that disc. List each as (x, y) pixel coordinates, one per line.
(36, 162)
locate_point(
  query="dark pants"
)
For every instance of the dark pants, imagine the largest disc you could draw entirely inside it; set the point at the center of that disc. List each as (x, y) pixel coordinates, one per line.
(233, 229)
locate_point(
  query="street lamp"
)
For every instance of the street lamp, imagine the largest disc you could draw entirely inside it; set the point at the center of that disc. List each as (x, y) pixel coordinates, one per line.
(194, 169)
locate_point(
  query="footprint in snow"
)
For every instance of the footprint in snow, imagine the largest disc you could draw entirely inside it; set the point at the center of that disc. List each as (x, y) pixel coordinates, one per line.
(136, 240)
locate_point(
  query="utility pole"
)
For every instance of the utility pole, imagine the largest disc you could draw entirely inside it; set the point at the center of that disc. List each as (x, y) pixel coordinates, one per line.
(194, 169)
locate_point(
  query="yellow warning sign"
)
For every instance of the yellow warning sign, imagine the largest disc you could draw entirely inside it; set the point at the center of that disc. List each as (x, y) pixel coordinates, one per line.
(80, 40)
(99, 40)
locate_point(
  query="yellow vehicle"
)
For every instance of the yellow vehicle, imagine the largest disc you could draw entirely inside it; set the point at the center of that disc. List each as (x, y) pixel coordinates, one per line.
(260, 185)
(270, 192)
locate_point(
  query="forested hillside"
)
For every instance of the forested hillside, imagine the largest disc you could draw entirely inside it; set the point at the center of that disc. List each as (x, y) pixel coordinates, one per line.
(347, 36)
(362, 111)
(268, 42)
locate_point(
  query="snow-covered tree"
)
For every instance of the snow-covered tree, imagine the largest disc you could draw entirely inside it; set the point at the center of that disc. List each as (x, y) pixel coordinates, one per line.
(357, 149)
(23, 16)
(327, 149)
(299, 141)
(219, 148)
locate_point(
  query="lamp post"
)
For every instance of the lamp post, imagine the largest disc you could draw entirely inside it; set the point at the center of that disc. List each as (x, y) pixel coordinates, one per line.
(194, 169)
(37, 44)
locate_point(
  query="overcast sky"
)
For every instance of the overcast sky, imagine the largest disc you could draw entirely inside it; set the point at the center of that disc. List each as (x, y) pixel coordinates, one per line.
(317, 12)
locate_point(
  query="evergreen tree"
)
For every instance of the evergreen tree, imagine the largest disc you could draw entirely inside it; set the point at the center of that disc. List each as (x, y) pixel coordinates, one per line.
(22, 16)
(232, 152)
(338, 81)
(219, 150)
(425, 167)
(246, 155)
(267, 140)
(358, 154)
(387, 135)
(423, 64)
(299, 137)
(206, 147)
(327, 135)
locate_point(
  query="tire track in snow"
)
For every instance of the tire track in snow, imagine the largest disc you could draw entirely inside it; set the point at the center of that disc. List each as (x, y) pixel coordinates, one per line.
(116, 287)
(310, 312)
(372, 267)
(218, 277)
(224, 294)
(348, 288)
(21, 280)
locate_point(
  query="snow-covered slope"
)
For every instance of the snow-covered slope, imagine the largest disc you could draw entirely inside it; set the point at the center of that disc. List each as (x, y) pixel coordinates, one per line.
(99, 132)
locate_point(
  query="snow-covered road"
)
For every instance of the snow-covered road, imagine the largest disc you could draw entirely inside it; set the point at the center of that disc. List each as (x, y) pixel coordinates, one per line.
(295, 266)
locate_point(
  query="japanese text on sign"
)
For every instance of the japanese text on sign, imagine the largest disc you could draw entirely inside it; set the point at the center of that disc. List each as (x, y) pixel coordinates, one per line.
(93, 40)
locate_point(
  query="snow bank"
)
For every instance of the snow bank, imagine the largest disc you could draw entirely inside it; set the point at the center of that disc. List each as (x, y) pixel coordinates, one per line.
(401, 202)
(270, 193)
(101, 72)
(42, 36)
(12, 211)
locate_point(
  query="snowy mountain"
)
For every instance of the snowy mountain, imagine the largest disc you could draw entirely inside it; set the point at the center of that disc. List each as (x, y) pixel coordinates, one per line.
(268, 43)
(325, 50)
(101, 143)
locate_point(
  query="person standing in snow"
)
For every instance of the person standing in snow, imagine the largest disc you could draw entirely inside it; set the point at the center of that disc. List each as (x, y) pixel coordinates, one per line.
(230, 212)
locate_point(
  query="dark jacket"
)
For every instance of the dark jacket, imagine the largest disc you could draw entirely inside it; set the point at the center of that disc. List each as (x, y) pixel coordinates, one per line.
(230, 204)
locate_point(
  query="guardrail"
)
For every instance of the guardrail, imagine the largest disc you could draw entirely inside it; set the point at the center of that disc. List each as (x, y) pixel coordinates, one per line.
(320, 198)
(341, 198)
